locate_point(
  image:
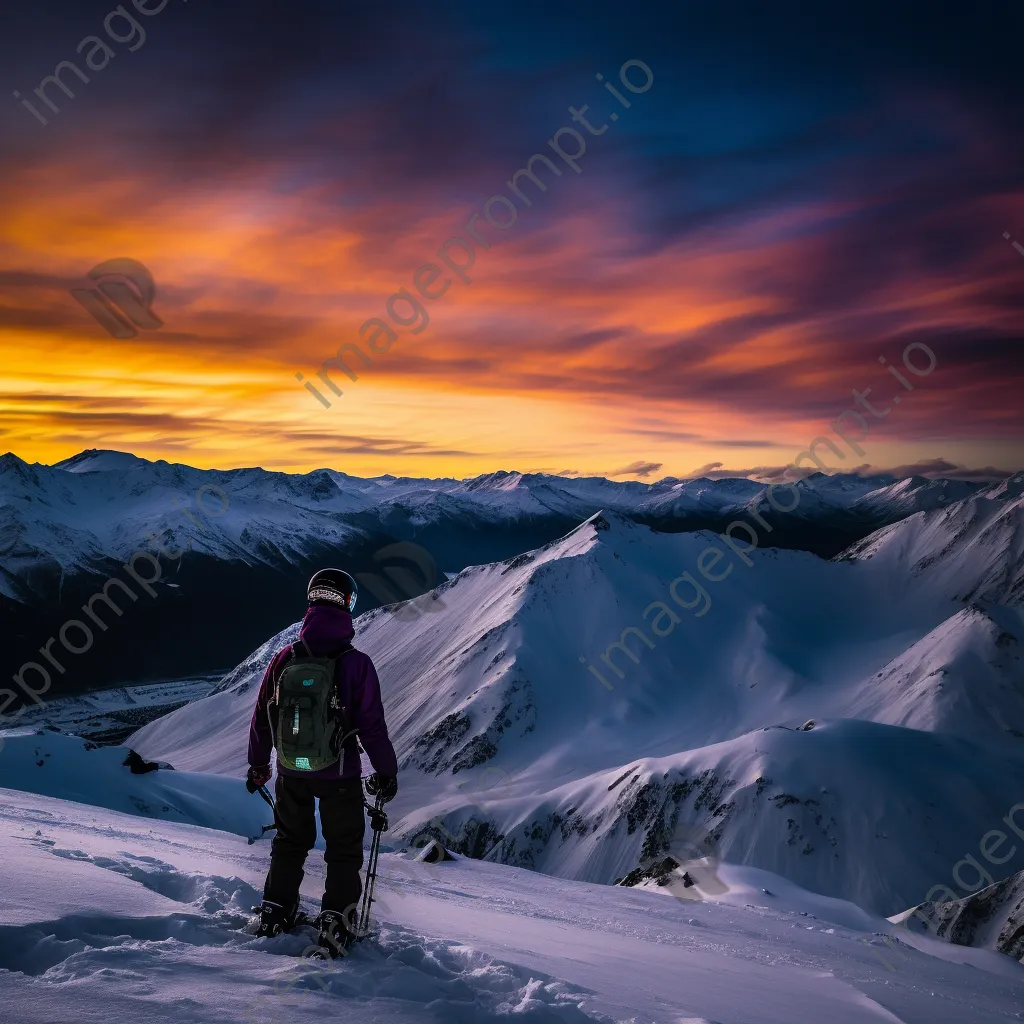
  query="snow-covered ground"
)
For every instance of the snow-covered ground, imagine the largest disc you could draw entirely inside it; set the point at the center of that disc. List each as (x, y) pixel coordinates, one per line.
(113, 919)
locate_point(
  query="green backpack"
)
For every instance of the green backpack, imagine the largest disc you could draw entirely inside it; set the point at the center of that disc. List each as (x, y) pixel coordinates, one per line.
(311, 721)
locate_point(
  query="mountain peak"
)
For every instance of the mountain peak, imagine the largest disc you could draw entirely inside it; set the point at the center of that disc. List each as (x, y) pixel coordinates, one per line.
(100, 460)
(1011, 487)
(11, 464)
(499, 480)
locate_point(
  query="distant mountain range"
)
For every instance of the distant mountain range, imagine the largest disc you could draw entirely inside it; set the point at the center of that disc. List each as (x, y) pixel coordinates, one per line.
(244, 542)
(855, 725)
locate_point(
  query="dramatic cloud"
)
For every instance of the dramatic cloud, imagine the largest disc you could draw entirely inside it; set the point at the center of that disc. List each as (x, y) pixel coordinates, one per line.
(642, 469)
(936, 469)
(787, 205)
(767, 474)
(933, 469)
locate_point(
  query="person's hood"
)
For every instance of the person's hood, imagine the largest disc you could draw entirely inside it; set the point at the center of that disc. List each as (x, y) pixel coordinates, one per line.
(326, 629)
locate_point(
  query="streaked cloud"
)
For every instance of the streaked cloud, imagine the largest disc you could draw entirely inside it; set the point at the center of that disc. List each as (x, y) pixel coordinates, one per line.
(641, 469)
(738, 253)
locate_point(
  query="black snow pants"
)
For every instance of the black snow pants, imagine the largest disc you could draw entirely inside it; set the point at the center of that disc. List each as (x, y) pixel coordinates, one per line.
(342, 823)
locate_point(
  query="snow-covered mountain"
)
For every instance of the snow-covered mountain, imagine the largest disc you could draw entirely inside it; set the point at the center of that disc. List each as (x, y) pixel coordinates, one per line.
(105, 504)
(824, 720)
(972, 549)
(966, 677)
(236, 546)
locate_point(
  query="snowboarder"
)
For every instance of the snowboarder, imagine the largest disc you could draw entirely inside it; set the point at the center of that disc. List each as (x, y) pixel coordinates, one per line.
(317, 697)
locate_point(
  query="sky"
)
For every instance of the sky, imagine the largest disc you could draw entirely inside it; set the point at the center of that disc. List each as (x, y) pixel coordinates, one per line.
(794, 193)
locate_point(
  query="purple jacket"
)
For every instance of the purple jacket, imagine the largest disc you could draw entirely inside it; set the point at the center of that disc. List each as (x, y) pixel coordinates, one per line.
(326, 630)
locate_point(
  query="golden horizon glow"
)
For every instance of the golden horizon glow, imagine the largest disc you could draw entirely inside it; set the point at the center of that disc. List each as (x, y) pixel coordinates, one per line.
(558, 356)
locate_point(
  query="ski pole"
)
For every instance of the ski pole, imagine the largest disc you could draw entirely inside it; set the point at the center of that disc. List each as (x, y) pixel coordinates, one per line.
(379, 824)
(265, 793)
(371, 883)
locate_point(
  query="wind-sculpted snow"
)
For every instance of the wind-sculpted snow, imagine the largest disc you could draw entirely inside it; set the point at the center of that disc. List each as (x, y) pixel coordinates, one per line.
(195, 911)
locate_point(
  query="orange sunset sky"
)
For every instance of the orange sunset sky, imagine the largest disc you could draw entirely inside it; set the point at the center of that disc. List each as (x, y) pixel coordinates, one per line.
(737, 253)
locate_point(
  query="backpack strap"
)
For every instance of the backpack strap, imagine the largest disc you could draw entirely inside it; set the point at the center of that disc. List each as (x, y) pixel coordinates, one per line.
(290, 655)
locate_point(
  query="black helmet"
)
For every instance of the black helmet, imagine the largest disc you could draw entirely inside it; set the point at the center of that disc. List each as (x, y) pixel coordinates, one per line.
(333, 586)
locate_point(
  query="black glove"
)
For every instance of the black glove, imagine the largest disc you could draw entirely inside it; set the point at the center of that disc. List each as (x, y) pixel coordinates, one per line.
(385, 785)
(257, 777)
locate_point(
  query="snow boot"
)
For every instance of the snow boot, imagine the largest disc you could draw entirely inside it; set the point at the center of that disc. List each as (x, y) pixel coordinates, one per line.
(274, 919)
(335, 938)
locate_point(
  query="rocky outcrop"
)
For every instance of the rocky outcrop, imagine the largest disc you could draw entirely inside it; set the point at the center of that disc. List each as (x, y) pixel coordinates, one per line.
(992, 918)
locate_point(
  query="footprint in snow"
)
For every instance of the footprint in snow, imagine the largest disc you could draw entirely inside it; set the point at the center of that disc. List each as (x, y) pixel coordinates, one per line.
(462, 984)
(228, 899)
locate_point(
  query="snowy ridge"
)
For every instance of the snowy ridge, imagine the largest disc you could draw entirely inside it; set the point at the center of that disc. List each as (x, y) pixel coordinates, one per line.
(778, 799)
(965, 677)
(522, 756)
(971, 550)
(914, 494)
(105, 505)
